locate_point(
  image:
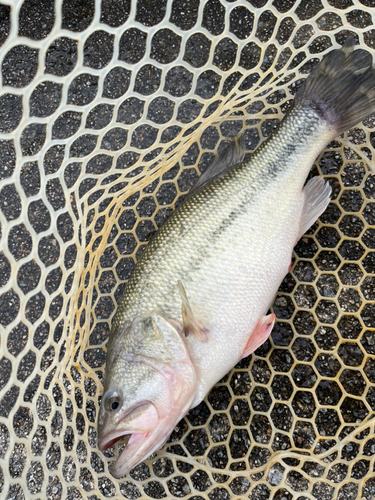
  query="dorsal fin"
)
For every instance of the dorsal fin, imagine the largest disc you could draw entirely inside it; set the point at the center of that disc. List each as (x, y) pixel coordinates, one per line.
(231, 157)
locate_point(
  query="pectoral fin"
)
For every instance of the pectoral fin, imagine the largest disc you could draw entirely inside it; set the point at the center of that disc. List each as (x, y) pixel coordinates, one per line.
(259, 335)
(190, 324)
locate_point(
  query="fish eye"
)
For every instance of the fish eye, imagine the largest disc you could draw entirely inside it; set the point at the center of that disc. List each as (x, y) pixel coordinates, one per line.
(112, 401)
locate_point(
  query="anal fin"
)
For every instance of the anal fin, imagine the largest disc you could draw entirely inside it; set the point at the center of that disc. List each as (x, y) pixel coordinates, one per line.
(317, 195)
(190, 324)
(259, 335)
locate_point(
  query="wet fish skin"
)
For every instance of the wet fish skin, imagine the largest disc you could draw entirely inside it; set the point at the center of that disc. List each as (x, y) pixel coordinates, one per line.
(236, 219)
(229, 245)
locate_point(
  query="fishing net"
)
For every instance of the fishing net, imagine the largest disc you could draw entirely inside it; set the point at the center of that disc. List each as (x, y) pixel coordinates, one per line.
(109, 111)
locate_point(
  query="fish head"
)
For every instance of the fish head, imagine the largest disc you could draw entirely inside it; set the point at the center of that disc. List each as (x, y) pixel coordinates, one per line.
(148, 389)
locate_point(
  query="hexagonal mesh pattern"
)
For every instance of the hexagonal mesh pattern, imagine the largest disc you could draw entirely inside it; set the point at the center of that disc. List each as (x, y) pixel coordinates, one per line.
(109, 111)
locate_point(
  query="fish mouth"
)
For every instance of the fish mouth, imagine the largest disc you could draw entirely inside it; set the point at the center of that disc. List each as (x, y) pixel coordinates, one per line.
(126, 438)
(127, 434)
(141, 435)
(130, 455)
(114, 437)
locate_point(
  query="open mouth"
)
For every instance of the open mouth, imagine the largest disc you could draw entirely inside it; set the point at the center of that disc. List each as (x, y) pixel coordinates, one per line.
(131, 443)
(133, 434)
(122, 438)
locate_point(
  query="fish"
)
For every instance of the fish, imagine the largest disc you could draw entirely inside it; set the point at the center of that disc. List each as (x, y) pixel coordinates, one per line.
(197, 300)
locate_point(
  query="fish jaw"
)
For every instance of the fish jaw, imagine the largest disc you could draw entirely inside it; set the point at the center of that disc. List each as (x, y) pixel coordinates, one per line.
(138, 420)
(148, 432)
(140, 425)
(139, 446)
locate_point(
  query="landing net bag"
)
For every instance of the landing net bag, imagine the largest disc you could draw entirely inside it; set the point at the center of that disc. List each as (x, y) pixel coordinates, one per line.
(109, 112)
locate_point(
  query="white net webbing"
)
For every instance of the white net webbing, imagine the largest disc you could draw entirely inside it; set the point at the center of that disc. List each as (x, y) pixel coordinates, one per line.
(109, 110)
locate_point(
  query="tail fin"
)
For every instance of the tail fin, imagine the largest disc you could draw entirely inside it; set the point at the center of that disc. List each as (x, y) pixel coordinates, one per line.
(341, 89)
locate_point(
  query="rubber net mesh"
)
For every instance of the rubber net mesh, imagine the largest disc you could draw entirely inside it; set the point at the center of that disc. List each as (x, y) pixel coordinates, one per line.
(109, 111)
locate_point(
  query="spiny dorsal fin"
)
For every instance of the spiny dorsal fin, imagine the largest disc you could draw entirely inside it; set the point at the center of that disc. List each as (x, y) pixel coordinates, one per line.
(231, 157)
(191, 325)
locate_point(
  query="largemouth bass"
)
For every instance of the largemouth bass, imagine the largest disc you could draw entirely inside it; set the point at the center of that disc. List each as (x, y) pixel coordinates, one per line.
(197, 300)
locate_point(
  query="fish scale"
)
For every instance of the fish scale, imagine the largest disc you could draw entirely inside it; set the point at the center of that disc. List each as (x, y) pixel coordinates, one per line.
(198, 230)
(204, 283)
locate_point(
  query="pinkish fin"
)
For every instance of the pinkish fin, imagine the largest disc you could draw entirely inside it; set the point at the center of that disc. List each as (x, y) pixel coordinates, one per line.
(191, 325)
(317, 195)
(259, 335)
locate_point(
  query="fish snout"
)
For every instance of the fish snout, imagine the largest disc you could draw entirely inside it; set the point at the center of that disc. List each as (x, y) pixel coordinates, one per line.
(138, 429)
(140, 419)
